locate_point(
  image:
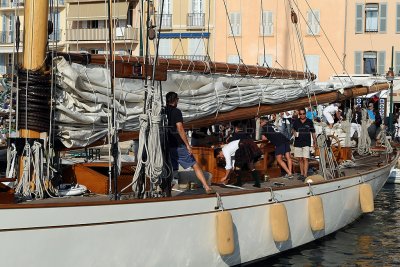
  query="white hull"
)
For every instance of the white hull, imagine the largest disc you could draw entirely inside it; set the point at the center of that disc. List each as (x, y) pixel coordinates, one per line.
(171, 232)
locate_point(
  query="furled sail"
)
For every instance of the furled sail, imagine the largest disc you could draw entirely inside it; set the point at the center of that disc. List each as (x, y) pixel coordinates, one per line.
(83, 99)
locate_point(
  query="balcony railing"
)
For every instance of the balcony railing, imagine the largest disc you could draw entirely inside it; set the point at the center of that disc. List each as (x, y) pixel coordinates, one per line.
(166, 22)
(196, 20)
(7, 37)
(127, 33)
(14, 3)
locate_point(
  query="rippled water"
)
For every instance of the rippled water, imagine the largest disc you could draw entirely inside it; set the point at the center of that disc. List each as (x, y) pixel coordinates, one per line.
(372, 240)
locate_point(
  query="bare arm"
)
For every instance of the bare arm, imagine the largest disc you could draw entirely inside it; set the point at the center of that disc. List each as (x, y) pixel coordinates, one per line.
(182, 134)
(314, 136)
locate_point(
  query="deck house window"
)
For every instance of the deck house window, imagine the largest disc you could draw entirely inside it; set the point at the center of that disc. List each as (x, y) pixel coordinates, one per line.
(371, 17)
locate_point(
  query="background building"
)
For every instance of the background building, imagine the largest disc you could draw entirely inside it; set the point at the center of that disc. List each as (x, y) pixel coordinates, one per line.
(9, 11)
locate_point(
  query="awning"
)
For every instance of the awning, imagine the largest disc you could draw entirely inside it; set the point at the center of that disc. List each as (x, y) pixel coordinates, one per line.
(96, 11)
(182, 35)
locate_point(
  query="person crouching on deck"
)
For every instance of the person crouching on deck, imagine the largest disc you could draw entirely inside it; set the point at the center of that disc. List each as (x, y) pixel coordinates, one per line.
(243, 153)
(179, 148)
(330, 112)
(281, 143)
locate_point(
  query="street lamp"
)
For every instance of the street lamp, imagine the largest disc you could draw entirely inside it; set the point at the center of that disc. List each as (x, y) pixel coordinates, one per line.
(390, 78)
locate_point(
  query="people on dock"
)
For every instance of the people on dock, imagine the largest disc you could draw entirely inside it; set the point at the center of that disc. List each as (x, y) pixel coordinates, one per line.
(179, 148)
(281, 142)
(242, 154)
(303, 129)
(330, 112)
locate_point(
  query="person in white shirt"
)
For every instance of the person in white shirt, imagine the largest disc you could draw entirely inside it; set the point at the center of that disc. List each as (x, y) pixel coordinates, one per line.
(244, 153)
(329, 113)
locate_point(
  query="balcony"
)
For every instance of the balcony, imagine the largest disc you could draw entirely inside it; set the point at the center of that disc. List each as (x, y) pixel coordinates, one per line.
(7, 37)
(196, 20)
(166, 22)
(101, 34)
(13, 3)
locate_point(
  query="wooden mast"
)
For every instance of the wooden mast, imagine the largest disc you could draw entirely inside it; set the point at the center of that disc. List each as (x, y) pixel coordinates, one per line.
(35, 42)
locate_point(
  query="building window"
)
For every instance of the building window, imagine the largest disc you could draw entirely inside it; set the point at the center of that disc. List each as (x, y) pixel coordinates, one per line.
(370, 62)
(313, 19)
(371, 17)
(196, 49)
(165, 47)
(234, 29)
(398, 18)
(312, 64)
(266, 24)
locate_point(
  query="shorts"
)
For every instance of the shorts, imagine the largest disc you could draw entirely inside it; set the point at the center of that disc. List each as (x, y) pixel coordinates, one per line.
(282, 149)
(180, 156)
(302, 152)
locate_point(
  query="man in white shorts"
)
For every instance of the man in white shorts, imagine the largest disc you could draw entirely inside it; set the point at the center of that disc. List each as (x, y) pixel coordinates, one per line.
(329, 113)
(303, 128)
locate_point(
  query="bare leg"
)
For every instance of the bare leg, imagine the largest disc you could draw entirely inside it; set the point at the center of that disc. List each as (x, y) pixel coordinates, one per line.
(283, 164)
(301, 163)
(290, 163)
(305, 160)
(200, 175)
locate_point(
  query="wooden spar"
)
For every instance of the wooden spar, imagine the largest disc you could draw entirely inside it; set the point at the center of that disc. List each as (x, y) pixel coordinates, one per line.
(35, 42)
(252, 112)
(35, 33)
(208, 67)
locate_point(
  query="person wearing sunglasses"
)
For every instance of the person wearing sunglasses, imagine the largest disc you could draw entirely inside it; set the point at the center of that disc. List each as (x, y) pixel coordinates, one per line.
(303, 129)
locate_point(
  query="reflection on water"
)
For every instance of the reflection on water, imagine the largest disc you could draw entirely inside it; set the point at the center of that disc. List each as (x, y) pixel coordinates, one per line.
(373, 240)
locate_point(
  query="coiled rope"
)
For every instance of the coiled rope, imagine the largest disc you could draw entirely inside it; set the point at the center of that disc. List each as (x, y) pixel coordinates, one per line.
(364, 141)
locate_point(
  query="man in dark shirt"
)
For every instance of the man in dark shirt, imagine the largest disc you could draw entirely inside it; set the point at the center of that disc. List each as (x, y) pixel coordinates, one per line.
(281, 143)
(303, 128)
(179, 147)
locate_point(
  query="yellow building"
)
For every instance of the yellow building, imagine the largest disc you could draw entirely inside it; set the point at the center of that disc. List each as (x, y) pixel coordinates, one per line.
(9, 11)
(331, 36)
(87, 29)
(186, 28)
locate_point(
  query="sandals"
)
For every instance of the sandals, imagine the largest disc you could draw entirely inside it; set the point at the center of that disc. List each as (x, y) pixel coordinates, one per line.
(210, 191)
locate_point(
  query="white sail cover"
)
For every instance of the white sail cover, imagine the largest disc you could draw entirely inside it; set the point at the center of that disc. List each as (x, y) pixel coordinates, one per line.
(83, 99)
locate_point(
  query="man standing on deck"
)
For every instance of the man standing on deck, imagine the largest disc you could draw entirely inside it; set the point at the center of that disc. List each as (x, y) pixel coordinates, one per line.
(281, 143)
(179, 148)
(303, 128)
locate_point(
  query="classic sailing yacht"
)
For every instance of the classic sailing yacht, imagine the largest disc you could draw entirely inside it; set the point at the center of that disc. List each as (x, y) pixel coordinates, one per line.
(232, 227)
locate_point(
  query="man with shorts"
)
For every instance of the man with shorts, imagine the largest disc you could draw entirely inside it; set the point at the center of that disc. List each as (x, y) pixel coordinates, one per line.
(281, 143)
(303, 128)
(179, 148)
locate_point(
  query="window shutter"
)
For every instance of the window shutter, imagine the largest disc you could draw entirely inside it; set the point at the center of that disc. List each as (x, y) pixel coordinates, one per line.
(12, 27)
(382, 17)
(268, 59)
(359, 18)
(235, 22)
(310, 22)
(397, 62)
(233, 59)
(164, 47)
(381, 62)
(316, 18)
(357, 62)
(266, 25)
(398, 18)
(2, 64)
(196, 47)
(238, 24)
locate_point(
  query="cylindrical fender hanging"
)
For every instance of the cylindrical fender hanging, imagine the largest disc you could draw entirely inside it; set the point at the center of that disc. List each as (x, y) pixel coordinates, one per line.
(366, 198)
(316, 213)
(225, 238)
(279, 222)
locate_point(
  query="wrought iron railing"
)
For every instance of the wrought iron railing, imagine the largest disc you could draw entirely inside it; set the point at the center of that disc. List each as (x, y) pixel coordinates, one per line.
(166, 22)
(127, 33)
(196, 20)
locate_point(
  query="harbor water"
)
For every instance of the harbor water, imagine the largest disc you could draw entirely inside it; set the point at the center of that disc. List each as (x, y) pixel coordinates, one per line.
(372, 240)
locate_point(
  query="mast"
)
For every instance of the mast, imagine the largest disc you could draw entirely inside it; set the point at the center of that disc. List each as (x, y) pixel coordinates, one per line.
(114, 138)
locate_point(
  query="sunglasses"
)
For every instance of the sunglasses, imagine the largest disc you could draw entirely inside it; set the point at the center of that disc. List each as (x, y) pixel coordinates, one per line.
(302, 113)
